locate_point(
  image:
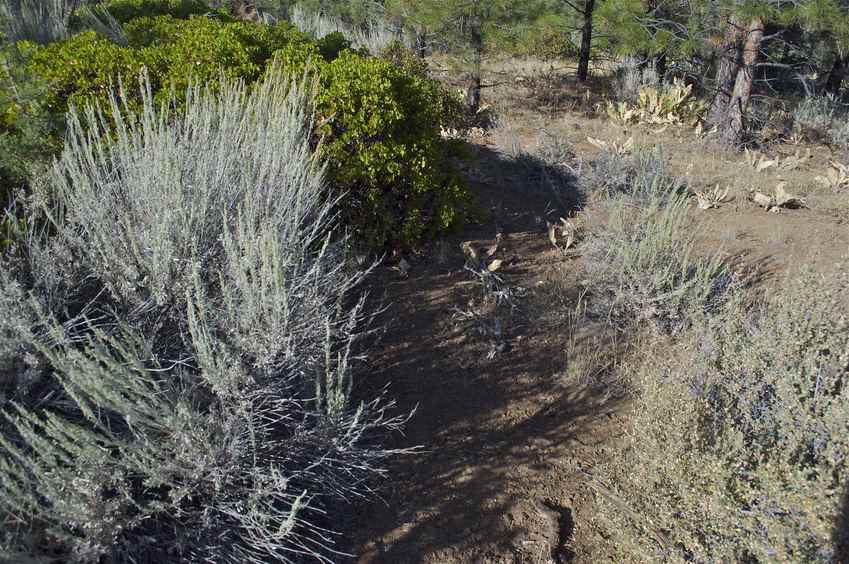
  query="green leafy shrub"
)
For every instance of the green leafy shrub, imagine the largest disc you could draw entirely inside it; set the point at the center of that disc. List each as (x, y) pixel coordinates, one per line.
(405, 59)
(453, 112)
(82, 68)
(204, 50)
(88, 66)
(332, 44)
(548, 38)
(385, 151)
(181, 349)
(27, 127)
(738, 445)
(127, 10)
(381, 123)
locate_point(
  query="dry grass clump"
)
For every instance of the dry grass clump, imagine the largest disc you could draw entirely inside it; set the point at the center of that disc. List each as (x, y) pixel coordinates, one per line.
(738, 445)
(630, 78)
(639, 256)
(177, 350)
(640, 261)
(622, 170)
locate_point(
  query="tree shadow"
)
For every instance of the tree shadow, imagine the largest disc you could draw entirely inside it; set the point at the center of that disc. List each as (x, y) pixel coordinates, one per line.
(522, 189)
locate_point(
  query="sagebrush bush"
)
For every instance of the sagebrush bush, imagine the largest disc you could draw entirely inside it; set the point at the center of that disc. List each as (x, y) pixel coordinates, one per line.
(814, 115)
(630, 78)
(126, 10)
(371, 33)
(839, 133)
(180, 345)
(640, 254)
(642, 174)
(738, 445)
(40, 21)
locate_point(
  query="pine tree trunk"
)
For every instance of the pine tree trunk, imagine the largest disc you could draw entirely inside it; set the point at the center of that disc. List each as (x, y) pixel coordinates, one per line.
(730, 58)
(660, 66)
(837, 75)
(735, 122)
(586, 41)
(473, 80)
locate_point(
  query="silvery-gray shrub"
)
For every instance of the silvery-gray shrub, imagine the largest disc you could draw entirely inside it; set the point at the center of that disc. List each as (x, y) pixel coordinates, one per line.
(192, 328)
(41, 21)
(640, 254)
(737, 448)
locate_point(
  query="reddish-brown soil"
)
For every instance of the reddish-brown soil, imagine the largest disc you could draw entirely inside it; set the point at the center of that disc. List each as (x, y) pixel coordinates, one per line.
(504, 439)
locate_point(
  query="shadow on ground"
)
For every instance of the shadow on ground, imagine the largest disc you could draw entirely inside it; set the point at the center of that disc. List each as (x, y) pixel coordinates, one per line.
(502, 437)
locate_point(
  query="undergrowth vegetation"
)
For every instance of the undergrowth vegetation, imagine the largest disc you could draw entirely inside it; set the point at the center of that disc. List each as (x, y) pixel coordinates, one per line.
(179, 341)
(736, 444)
(182, 326)
(737, 449)
(824, 119)
(641, 257)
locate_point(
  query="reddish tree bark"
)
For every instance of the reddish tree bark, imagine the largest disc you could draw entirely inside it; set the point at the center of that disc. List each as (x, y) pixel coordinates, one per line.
(732, 131)
(730, 59)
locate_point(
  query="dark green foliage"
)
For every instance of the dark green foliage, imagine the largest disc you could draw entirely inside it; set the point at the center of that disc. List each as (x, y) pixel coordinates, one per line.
(26, 125)
(385, 150)
(126, 10)
(174, 51)
(405, 59)
(332, 44)
(548, 38)
(83, 67)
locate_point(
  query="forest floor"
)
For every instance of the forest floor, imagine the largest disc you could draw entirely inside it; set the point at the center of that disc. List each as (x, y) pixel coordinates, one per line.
(515, 405)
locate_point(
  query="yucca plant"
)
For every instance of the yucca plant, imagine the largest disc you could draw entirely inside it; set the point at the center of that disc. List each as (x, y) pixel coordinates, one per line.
(180, 349)
(666, 104)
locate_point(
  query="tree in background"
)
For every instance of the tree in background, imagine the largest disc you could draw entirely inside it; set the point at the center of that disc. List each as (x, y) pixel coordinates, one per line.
(827, 26)
(586, 40)
(730, 48)
(468, 30)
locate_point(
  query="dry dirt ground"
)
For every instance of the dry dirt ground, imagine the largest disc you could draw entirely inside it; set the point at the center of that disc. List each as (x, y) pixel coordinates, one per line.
(510, 430)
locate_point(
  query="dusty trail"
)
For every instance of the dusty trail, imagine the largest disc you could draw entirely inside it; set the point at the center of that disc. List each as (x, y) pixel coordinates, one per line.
(503, 438)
